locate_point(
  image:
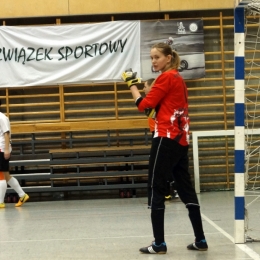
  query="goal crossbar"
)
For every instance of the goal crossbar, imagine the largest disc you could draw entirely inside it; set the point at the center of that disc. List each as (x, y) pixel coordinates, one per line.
(195, 148)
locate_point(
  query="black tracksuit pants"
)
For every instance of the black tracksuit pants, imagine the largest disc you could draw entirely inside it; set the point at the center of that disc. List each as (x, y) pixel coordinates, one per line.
(168, 157)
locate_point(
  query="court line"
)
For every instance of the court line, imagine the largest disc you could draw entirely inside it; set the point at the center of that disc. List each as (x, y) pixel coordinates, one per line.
(88, 238)
(243, 247)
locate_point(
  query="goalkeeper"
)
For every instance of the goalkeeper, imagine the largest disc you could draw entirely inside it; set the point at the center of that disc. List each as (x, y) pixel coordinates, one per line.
(170, 183)
(169, 151)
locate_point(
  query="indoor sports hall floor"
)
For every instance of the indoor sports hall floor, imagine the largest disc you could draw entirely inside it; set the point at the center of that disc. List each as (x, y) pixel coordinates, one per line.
(115, 229)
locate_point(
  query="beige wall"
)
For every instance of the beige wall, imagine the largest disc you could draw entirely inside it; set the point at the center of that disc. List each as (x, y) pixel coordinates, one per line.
(32, 8)
(186, 5)
(116, 6)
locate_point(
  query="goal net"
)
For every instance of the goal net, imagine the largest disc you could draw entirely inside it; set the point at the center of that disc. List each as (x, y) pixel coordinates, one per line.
(252, 121)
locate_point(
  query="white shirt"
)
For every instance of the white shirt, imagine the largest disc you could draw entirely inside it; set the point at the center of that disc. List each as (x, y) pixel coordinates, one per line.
(4, 127)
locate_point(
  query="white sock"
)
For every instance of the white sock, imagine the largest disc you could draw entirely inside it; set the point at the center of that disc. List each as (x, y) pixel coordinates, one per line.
(13, 182)
(3, 187)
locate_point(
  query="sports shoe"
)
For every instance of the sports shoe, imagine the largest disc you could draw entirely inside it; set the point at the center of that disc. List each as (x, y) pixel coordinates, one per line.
(2, 205)
(154, 249)
(201, 245)
(169, 197)
(22, 200)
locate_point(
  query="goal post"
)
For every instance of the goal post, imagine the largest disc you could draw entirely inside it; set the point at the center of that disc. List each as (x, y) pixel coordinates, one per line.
(246, 120)
(239, 128)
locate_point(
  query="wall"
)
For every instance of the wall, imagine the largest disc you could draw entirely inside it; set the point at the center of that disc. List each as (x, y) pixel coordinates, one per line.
(36, 8)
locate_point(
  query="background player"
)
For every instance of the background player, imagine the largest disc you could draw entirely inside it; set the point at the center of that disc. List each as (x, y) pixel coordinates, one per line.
(5, 153)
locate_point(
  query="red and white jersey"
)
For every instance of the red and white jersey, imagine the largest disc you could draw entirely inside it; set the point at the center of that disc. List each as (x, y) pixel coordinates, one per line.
(169, 97)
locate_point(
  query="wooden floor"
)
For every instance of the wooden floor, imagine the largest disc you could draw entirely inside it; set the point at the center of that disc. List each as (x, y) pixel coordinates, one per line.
(116, 228)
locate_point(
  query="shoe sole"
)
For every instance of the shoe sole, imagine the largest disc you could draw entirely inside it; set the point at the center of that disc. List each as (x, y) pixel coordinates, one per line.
(148, 253)
(196, 249)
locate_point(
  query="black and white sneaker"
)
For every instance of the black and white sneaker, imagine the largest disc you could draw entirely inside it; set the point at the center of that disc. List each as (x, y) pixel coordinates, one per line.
(154, 249)
(201, 245)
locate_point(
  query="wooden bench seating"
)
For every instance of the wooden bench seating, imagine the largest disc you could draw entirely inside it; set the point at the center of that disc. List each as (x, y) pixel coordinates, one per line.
(72, 156)
(30, 162)
(73, 140)
(91, 168)
(118, 163)
(33, 176)
(30, 167)
(99, 155)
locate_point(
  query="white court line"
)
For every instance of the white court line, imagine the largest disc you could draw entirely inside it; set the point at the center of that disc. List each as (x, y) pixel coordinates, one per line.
(87, 238)
(243, 247)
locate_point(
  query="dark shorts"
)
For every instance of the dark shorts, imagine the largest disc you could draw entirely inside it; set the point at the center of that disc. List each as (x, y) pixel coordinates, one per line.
(4, 164)
(168, 158)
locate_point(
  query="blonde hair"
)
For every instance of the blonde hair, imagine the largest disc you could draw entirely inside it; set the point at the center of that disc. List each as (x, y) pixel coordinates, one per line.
(166, 50)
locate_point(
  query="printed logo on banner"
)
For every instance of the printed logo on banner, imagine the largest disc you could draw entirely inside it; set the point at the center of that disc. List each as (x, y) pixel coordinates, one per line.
(185, 36)
(193, 27)
(181, 28)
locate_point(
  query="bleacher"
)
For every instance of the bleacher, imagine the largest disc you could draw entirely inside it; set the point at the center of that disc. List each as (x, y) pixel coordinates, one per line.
(112, 160)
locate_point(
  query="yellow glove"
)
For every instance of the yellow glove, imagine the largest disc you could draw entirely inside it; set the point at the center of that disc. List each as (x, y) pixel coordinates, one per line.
(129, 77)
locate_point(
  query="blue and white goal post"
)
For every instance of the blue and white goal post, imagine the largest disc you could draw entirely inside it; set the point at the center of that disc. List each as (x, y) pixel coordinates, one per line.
(239, 73)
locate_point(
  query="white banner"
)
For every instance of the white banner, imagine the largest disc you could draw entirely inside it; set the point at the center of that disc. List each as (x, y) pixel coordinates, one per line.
(48, 55)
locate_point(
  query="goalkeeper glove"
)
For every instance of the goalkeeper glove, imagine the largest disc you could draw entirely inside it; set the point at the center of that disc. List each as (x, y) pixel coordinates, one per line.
(150, 112)
(129, 77)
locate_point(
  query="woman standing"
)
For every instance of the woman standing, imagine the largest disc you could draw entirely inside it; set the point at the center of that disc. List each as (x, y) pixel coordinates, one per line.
(169, 151)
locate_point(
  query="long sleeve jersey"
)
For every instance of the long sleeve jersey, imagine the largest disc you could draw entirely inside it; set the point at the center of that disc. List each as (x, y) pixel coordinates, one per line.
(169, 98)
(4, 127)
